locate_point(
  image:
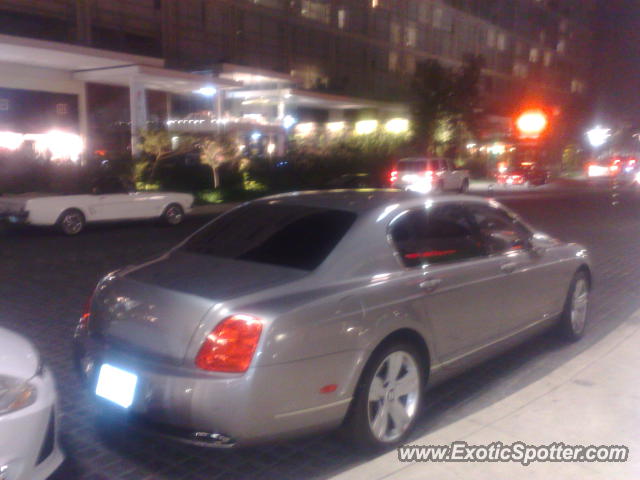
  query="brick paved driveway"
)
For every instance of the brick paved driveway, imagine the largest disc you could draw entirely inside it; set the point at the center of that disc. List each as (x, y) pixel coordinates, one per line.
(45, 279)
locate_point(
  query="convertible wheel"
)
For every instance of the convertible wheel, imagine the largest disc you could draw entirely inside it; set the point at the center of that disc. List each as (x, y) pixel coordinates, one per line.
(71, 222)
(574, 316)
(173, 214)
(387, 400)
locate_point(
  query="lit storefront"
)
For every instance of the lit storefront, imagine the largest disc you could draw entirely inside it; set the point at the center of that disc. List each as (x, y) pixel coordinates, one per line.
(63, 100)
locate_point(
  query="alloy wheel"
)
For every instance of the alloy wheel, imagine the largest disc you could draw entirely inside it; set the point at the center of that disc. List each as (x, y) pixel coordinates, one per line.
(174, 215)
(579, 304)
(393, 396)
(72, 223)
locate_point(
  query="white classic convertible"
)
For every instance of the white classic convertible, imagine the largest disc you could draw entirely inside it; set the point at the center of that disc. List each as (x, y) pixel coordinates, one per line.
(70, 213)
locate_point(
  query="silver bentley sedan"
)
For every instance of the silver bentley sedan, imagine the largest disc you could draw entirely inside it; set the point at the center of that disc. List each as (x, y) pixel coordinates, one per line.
(308, 311)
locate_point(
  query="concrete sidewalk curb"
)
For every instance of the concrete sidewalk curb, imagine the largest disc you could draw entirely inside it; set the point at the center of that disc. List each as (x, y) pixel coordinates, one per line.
(484, 426)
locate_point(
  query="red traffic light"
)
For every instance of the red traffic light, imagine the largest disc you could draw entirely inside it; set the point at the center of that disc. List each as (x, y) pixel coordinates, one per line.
(532, 123)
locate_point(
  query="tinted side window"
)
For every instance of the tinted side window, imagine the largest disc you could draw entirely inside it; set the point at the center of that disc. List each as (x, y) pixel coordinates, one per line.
(442, 234)
(500, 232)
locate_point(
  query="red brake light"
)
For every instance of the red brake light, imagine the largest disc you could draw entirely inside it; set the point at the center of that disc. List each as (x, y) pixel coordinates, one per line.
(231, 345)
(393, 176)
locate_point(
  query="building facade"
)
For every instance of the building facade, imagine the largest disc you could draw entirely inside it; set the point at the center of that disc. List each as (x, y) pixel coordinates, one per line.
(539, 49)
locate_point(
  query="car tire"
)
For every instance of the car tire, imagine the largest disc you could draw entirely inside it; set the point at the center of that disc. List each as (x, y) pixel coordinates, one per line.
(71, 222)
(370, 422)
(464, 188)
(573, 319)
(173, 215)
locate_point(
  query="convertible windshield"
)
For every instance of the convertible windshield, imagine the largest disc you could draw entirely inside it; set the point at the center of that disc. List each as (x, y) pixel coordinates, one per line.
(293, 236)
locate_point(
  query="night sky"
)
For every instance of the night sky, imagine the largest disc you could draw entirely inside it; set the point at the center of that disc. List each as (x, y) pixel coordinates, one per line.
(617, 66)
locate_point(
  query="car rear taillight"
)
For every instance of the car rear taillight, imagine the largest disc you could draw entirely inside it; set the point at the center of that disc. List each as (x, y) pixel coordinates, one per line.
(231, 345)
(428, 173)
(393, 176)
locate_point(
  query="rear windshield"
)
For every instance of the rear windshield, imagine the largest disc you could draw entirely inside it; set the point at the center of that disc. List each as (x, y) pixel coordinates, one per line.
(293, 236)
(412, 165)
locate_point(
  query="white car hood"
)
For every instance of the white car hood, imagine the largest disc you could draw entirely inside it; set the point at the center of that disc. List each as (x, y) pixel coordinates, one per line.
(18, 358)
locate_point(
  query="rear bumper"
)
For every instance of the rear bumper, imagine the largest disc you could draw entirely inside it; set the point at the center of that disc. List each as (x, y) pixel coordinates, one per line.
(227, 410)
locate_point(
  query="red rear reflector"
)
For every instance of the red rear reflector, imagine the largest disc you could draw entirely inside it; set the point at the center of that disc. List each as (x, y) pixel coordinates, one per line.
(231, 345)
(329, 388)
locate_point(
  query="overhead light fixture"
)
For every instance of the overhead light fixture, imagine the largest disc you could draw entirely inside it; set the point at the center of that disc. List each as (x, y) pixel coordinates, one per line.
(335, 127)
(366, 127)
(397, 125)
(289, 121)
(207, 91)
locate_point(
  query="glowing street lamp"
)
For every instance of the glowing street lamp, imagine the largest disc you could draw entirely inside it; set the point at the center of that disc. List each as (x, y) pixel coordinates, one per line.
(598, 136)
(532, 123)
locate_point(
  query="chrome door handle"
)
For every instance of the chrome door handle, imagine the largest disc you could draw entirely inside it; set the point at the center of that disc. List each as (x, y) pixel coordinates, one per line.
(509, 267)
(430, 285)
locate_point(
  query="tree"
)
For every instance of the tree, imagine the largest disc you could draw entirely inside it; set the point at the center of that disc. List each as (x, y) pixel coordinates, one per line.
(445, 103)
(215, 152)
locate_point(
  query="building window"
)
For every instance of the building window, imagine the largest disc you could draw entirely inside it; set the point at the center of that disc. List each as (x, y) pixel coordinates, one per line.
(578, 86)
(564, 26)
(395, 33)
(520, 70)
(562, 46)
(393, 61)
(492, 38)
(409, 65)
(342, 18)
(411, 35)
(438, 18)
(534, 55)
(316, 10)
(423, 12)
(62, 108)
(270, 3)
(502, 42)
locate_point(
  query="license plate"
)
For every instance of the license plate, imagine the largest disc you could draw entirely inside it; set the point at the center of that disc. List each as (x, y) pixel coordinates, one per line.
(116, 385)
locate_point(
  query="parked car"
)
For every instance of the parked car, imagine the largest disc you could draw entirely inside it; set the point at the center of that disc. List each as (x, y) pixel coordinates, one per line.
(617, 166)
(525, 175)
(425, 175)
(28, 440)
(110, 200)
(307, 311)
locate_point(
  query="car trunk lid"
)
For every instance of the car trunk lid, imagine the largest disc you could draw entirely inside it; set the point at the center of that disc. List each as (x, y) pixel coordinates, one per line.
(155, 310)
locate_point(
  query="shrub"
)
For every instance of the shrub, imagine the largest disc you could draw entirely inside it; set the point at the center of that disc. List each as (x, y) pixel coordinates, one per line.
(185, 177)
